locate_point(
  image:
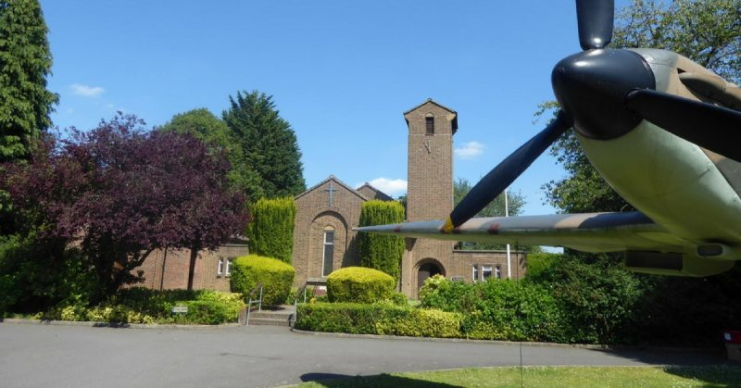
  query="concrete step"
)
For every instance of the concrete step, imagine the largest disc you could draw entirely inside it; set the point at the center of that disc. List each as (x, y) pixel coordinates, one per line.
(284, 321)
(270, 314)
(278, 317)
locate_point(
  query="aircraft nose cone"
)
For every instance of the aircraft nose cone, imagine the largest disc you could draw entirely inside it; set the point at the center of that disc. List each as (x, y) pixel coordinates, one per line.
(591, 87)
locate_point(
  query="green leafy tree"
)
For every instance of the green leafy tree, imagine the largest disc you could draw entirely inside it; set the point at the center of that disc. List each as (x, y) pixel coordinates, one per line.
(25, 62)
(383, 253)
(268, 143)
(211, 130)
(708, 32)
(495, 208)
(271, 229)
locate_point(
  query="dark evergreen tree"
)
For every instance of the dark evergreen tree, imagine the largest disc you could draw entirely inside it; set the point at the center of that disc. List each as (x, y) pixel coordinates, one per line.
(268, 143)
(25, 62)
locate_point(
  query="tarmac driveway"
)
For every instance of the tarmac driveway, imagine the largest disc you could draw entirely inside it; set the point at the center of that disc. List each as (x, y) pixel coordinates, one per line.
(37, 355)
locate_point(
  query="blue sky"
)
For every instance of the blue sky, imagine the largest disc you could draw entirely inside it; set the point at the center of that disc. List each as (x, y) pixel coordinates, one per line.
(341, 72)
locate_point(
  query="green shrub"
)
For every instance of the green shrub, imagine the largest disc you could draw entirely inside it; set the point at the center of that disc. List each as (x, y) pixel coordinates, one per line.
(270, 231)
(440, 293)
(383, 253)
(208, 312)
(141, 305)
(498, 309)
(275, 275)
(539, 265)
(399, 299)
(422, 323)
(39, 274)
(379, 318)
(361, 285)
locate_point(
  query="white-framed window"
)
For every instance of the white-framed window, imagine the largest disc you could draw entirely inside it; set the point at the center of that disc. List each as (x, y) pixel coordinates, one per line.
(228, 270)
(328, 251)
(486, 272)
(498, 271)
(475, 274)
(220, 267)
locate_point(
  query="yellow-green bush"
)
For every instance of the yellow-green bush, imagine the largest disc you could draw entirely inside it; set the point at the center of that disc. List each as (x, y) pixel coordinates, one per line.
(140, 305)
(275, 275)
(378, 318)
(423, 323)
(360, 285)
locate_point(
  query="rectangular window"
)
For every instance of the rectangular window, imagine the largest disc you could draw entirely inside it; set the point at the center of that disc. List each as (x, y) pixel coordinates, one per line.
(328, 252)
(429, 125)
(475, 275)
(498, 271)
(229, 266)
(220, 267)
(486, 271)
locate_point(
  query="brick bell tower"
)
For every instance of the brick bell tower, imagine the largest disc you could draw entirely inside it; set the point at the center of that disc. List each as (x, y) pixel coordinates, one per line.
(429, 191)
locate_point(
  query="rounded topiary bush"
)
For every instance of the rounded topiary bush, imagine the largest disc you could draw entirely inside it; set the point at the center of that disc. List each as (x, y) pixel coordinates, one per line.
(275, 275)
(358, 284)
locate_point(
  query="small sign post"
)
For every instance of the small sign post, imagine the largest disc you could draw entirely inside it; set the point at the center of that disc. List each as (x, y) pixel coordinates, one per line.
(180, 309)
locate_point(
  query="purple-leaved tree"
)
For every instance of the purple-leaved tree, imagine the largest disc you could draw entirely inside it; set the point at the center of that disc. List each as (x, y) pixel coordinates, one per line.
(120, 192)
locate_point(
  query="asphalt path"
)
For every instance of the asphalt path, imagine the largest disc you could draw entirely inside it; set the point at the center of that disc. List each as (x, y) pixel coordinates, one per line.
(37, 355)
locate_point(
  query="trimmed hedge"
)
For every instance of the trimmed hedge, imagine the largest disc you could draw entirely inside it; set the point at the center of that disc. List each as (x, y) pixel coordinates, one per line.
(383, 253)
(141, 305)
(275, 275)
(378, 318)
(499, 309)
(270, 231)
(360, 285)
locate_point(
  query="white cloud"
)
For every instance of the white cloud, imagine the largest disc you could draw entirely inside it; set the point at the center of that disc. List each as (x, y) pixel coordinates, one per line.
(469, 150)
(392, 187)
(86, 91)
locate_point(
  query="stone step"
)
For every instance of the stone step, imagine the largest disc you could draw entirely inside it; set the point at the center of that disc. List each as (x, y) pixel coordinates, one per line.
(270, 314)
(269, 321)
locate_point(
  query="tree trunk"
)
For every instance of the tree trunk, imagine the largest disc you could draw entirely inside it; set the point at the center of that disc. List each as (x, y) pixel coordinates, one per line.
(192, 267)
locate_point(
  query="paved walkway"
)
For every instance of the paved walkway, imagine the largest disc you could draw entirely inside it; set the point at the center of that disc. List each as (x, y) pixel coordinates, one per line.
(34, 355)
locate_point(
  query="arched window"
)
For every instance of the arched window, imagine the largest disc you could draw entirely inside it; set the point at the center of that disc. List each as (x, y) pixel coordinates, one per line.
(429, 124)
(328, 252)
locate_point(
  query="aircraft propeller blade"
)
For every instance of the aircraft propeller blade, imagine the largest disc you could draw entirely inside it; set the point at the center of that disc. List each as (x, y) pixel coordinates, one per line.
(709, 126)
(499, 178)
(595, 19)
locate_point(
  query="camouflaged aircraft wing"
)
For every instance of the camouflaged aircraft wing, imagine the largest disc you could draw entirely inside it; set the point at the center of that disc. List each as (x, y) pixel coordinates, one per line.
(589, 232)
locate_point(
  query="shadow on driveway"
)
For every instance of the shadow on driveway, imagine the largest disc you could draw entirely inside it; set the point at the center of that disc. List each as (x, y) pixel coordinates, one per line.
(333, 380)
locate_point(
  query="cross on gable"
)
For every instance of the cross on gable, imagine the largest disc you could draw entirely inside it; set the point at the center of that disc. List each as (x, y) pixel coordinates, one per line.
(331, 190)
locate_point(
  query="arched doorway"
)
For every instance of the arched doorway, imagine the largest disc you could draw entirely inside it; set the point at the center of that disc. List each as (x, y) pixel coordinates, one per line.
(427, 269)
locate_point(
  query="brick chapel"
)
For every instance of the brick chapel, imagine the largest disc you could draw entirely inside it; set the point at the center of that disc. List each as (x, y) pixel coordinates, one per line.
(327, 212)
(324, 239)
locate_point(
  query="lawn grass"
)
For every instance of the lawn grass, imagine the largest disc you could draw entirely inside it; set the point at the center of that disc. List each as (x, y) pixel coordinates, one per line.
(628, 377)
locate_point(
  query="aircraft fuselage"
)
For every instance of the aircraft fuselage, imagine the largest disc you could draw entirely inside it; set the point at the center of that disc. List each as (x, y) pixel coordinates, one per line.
(678, 184)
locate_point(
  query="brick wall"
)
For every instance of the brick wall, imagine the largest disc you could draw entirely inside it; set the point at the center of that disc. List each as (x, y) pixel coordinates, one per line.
(463, 262)
(176, 262)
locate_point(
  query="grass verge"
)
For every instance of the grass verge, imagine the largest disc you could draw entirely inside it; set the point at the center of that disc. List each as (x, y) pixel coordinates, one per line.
(672, 376)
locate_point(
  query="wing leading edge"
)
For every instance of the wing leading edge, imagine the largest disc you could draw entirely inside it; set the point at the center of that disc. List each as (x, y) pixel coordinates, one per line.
(589, 232)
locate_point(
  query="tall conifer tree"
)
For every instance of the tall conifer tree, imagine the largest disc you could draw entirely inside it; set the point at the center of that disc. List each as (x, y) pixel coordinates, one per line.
(25, 62)
(268, 142)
